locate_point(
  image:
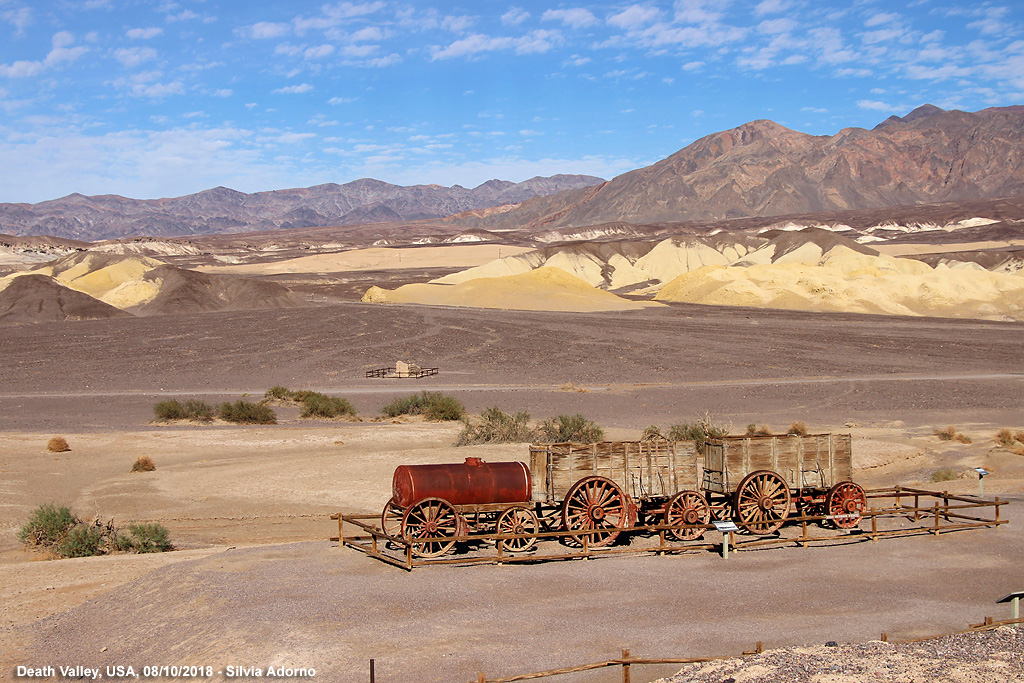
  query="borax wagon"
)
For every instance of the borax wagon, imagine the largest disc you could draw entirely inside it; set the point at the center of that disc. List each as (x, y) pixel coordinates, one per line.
(594, 493)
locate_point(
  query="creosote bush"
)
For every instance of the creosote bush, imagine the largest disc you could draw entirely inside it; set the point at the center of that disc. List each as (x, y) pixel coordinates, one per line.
(62, 532)
(946, 433)
(575, 428)
(496, 426)
(433, 405)
(1007, 438)
(651, 433)
(758, 430)
(192, 409)
(143, 463)
(314, 404)
(944, 474)
(703, 428)
(798, 428)
(247, 412)
(58, 444)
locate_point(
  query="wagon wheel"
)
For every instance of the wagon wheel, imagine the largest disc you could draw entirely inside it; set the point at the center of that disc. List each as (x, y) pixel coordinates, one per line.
(431, 518)
(845, 498)
(762, 501)
(597, 503)
(391, 519)
(518, 520)
(687, 507)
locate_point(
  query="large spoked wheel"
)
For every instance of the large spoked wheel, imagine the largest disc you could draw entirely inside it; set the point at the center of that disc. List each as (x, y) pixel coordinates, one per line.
(597, 503)
(432, 518)
(685, 508)
(391, 519)
(519, 521)
(762, 502)
(845, 504)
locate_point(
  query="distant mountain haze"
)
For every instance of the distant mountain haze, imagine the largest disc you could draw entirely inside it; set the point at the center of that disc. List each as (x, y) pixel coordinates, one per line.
(222, 210)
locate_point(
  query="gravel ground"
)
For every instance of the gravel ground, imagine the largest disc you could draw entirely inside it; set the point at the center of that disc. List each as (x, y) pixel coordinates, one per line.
(995, 656)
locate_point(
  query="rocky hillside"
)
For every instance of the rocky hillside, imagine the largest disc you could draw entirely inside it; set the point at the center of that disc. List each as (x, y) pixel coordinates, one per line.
(764, 169)
(222, 210)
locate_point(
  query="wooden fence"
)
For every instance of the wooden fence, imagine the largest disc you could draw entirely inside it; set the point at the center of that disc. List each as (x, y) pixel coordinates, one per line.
(932, 512)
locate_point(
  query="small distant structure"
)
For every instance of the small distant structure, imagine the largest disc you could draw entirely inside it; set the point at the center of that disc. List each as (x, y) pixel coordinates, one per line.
(402, 370)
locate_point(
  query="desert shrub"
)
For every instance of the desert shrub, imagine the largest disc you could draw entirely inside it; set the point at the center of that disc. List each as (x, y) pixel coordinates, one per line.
(47, 525)
(703, 428)
(84, 540)
(247, 412)
(278, 392)
(1007, 437)
(58, 444)
(963, 438)
(1019, 436)
(759, 430)
(798, 428)
(944, 474)
(319, 405)
(121, 543)
(143, 463)
(150, 538)
(496, 426)
(575, 428)
(192, 409)
(651, 433)
(431, 404)
(946, 433)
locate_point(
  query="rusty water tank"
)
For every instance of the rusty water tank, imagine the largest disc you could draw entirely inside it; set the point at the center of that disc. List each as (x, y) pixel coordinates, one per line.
(473, 482)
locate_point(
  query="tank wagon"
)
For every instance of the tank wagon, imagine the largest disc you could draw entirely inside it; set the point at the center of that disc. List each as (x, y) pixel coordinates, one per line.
(599, 491)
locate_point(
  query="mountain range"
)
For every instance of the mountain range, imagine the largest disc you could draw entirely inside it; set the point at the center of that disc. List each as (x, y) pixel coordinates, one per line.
(759, 169)
(764, 169)
(223, 210)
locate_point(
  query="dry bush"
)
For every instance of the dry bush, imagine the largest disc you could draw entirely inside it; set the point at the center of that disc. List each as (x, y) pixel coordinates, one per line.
(144, 464)
(570, 428)
(798, 428)
(496, 426)
(1019, 435)
(1004, 437)
(58, 444)
(759, 430)
(1018, 448)
(946, 433)
(963, 438)
(944, 474)
(651, 433)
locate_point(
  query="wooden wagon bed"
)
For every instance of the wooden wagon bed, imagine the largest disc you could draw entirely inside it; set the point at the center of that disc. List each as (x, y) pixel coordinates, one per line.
(814, 461)
(644, 470)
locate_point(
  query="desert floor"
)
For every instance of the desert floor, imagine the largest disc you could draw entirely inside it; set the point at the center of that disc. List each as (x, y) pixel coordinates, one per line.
(255, 581)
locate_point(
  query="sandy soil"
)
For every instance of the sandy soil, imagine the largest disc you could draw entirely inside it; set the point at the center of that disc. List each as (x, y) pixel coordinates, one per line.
(256, 581)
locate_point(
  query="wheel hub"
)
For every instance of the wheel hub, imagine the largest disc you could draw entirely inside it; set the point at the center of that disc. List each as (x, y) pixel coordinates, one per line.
(690, 516)
(430, 527)
(597, 513)
(766, 503)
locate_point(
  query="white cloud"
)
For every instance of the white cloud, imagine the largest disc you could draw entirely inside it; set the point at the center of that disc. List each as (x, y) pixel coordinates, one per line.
(771, 7)
(697, 12)
(457, 24)
(830, 46)
(881, 18)
(534, 42)
(265, 29)
(294, 89)
(61, 53)
(134, 56)
(515, 16)
(874, 105)
(633, 17)
(143, 33)
(774, 26)
(341, 100)
(576, 17)
(368, 33)
(20, 18)
(294, 138)
(318, 52)
(147, 84)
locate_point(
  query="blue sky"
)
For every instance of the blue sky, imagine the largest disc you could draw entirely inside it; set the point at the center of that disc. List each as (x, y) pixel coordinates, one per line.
(150, 99)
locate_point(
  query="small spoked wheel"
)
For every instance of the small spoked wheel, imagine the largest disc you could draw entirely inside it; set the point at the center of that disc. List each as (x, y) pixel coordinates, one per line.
(431, 518)
(518, 521)
(598, 504)
(391, 519)
(762, 502)
(845, 504)
(687, 508)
